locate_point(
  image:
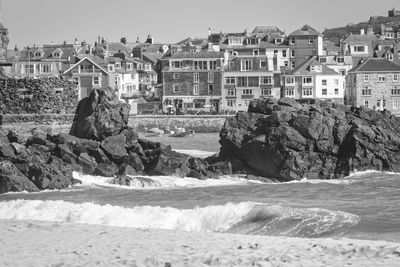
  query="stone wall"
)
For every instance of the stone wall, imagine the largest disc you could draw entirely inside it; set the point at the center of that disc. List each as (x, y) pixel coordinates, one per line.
(55, 95)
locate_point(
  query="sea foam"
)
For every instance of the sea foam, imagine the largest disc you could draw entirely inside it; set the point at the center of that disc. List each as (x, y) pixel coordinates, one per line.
(243, 217)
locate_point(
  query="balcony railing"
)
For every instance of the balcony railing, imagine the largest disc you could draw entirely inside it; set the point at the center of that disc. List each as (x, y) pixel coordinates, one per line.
(247, 96)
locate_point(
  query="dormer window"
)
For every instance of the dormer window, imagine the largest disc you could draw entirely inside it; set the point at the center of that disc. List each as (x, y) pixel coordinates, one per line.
(129, 66)
(110, 67)
(117, 65)
(389, 57)
(311, 40)
(56, 54)
(38, 54)
(278, 40)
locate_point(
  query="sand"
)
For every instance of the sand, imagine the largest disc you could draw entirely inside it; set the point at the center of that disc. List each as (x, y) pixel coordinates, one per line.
(37, 243)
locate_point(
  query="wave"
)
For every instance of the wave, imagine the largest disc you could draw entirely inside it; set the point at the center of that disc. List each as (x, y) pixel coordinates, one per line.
(243, 217)
(161, 182)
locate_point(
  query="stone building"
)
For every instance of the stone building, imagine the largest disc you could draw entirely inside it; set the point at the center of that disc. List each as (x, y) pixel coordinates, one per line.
(374, 83)
(3, 43)
(193, 81)
(313, 80)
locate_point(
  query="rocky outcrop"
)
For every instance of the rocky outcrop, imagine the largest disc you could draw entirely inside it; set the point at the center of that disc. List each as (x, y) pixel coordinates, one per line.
(100, 115)
(321, 140)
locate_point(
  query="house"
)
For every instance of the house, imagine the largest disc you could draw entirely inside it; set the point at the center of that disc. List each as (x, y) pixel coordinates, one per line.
(193, 80)
(88, 75)
(390, 30)
(393, 13)
(148, 78)
(313, 80)
(267, 41)
(339, 63)
(374, 83)
(303, 44)
(248, 78)
(359, 46)
(388, 49)
(42, 61)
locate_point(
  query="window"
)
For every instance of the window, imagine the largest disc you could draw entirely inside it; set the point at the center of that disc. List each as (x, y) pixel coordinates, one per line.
(56, 54)
(213, 65)
(195, 77)
(253, 81)
(38, 54)
(366, 91)
(396, 104)
(230, 80)
(231, 103)
(231, 92)
(110, 67)
(322, 59)
(175, 88)
(266, 80)
(395, 77)
(278, 40)
(196, 90)
(231, 65)
(342, 72)
(266, 91)
(395, 90)
(129, 66)
(293, 53)
(289, 92)
(336, 81)
(389, 57)
(292, 64)
(211, 89)
(307, 79)
(29, 68)
(381, 78)
(247, 92)
(324, 83)
(242, 81)
(176, 76)
(256, 52)
(246, 64)
(117, 65)
(366, 102)
(96, 80)
(275, 52)
(46, 68)
(324, 91)
(76, 79)
(307, 92)
(176, 64)
(336, 91)
(210, 77)
(311, 40)
(340, 59)
(292, 40)
(366, 78)
(263, 64)
(284, 53)
(359, 48)
(289, 80)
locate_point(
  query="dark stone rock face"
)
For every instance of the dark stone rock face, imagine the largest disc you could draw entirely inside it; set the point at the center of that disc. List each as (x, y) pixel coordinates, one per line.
(100, 115)
(286, 140)
(11, 179)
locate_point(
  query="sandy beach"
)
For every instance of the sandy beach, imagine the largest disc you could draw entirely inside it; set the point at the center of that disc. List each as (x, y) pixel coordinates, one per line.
(38, 243)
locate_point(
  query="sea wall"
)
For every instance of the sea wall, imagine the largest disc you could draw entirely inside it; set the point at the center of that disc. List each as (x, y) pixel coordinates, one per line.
(200, 124)
(54, 95)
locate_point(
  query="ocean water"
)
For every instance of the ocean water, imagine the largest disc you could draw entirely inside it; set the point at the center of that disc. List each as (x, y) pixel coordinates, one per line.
(364, 205)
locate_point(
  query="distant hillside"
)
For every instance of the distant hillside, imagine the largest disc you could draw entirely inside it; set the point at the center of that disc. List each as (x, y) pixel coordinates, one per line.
(341, 32)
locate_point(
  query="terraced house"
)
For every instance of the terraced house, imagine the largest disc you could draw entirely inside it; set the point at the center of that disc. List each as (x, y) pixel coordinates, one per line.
(313, 80)
(374, 83)
(193, 80)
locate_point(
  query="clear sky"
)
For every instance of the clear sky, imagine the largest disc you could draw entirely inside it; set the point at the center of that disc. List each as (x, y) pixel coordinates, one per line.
(42, 21)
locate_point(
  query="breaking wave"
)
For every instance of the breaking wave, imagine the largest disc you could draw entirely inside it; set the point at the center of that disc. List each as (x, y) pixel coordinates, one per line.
(243, 217)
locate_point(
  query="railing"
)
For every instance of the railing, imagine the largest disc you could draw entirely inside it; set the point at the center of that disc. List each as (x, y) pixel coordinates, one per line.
(247, 96)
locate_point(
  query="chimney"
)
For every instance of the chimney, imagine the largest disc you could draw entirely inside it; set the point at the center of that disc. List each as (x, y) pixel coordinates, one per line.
(362, 31)
(76, 41)
(137, 40)
(209, 32)
(370, 30)
(123, 40)
(65, 42)
(149, 39)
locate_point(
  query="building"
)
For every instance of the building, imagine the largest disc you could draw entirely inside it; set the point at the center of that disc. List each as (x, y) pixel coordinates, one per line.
(148, 78)
(304, 43)
(359, 46)
(313, 80)
(388, 49)
(374, 83)
(193, 81)
(42, 61)
(248, 78)
(390, 30)
(3, 43)
(393, 13)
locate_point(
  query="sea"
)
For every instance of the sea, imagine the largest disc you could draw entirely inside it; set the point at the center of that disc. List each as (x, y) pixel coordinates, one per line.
(364, 205)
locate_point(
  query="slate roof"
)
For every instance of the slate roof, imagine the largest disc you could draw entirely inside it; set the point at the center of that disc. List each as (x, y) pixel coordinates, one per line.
(306, 30)
(116, 46)
(304, 69)
(66, 50)
(361, 39)
(376, 65)
(201, 54)
(266, 30)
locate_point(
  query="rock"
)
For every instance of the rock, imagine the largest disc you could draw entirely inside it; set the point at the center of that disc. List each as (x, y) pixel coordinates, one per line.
(87, 162)
(320, 140)
(126, 169)
(136, 182)
(114, 146)
(38, 154)
(100, 115)
(12, 180)
(106, 169)
(13, 137)
(48, 177)
(6, 151)
(131, 137)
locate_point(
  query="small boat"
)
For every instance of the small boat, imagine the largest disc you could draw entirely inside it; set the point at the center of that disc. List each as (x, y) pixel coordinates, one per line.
(152, 134)
(183, 134)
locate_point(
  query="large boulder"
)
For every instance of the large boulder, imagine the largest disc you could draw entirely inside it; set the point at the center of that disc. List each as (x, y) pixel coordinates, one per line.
(287, 140)
(100, 115)
(12, 180)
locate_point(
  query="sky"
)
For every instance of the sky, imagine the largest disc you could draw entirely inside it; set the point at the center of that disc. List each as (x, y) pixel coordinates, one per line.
(169, 21)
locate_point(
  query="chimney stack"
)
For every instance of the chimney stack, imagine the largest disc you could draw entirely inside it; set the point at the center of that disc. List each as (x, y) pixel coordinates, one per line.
(362, 31)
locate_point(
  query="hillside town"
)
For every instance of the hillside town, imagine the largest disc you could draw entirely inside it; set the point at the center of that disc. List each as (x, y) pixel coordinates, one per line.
(222, 72)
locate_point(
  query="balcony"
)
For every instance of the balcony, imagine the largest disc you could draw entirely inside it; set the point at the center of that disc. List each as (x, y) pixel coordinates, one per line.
(247, 96)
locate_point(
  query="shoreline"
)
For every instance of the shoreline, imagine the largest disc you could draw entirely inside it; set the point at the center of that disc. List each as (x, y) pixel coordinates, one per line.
(40, 243)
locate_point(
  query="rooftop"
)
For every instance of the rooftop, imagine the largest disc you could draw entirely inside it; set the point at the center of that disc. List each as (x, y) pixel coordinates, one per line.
(201, 54)
(305, 31)
(376, 65)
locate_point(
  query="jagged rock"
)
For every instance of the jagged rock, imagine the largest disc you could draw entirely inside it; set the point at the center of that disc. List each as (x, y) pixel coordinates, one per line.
(87, 162)
(114, 146)
(321, 140)
(6, 151)
(48, 177)
(106, 169)
(38, 153)
(126, 169)
(100, 115)
(12, 180)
